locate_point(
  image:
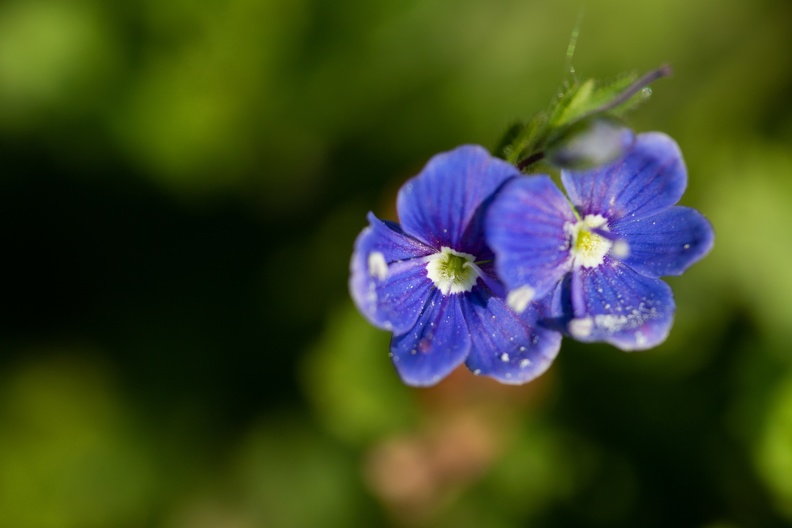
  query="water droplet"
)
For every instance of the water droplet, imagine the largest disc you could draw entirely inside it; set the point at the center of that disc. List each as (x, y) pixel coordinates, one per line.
(504, 357)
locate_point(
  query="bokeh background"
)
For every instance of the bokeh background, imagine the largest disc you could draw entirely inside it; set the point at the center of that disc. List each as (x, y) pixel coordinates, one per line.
(180, 189)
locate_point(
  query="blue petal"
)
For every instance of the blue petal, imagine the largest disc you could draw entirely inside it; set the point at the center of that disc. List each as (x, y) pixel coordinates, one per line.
(649, 179)
(437, 344)
(619, 306)
(667, 243)
(442, 206)
(510, 348)
(388, 279)
(525, 229)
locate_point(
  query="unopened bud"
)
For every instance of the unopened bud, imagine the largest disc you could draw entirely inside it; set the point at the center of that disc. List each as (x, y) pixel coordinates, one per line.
(589, 144)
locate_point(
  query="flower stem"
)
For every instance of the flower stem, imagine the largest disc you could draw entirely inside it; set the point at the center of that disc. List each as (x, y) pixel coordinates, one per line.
(530, 160)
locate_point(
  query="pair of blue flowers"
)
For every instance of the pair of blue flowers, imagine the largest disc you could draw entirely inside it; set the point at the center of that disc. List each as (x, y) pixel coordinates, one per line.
(490, 267)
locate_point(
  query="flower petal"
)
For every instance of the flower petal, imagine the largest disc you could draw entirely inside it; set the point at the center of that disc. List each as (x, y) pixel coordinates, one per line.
(620, 306)
(388, 280)
(510, 348)
(437, 344)
(525, 229)
(667, 243)
(442, 206)
(649, 179)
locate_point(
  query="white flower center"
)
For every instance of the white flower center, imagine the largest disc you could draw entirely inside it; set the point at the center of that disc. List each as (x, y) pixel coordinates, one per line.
(452, 271)
(588, 248)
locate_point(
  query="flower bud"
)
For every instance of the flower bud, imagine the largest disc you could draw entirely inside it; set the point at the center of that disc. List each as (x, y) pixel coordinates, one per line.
(590, 143)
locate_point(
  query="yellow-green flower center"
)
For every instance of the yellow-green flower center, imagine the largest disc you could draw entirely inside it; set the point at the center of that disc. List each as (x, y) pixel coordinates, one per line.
(586, 241)
(452, 271)
(589, 248)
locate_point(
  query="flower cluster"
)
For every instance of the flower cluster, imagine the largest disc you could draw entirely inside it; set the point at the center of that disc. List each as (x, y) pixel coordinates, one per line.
(491, 268)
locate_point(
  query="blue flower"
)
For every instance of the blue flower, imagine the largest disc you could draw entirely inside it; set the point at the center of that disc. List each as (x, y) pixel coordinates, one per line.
(600, 262)
(431, 280)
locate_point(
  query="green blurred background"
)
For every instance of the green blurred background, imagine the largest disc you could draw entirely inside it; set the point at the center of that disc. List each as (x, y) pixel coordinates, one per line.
(181, 186)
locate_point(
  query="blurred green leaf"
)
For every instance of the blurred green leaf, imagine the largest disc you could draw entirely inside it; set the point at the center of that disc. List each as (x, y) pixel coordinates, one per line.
(352, 383)
(69, 454)
(774, 451)
(288, 475)
(747, 203)
(56, 59)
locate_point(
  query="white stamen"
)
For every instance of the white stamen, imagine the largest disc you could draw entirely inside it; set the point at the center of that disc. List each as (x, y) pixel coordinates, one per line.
(581, 328)
(519, 299)
(620, 249)
(377, 267)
